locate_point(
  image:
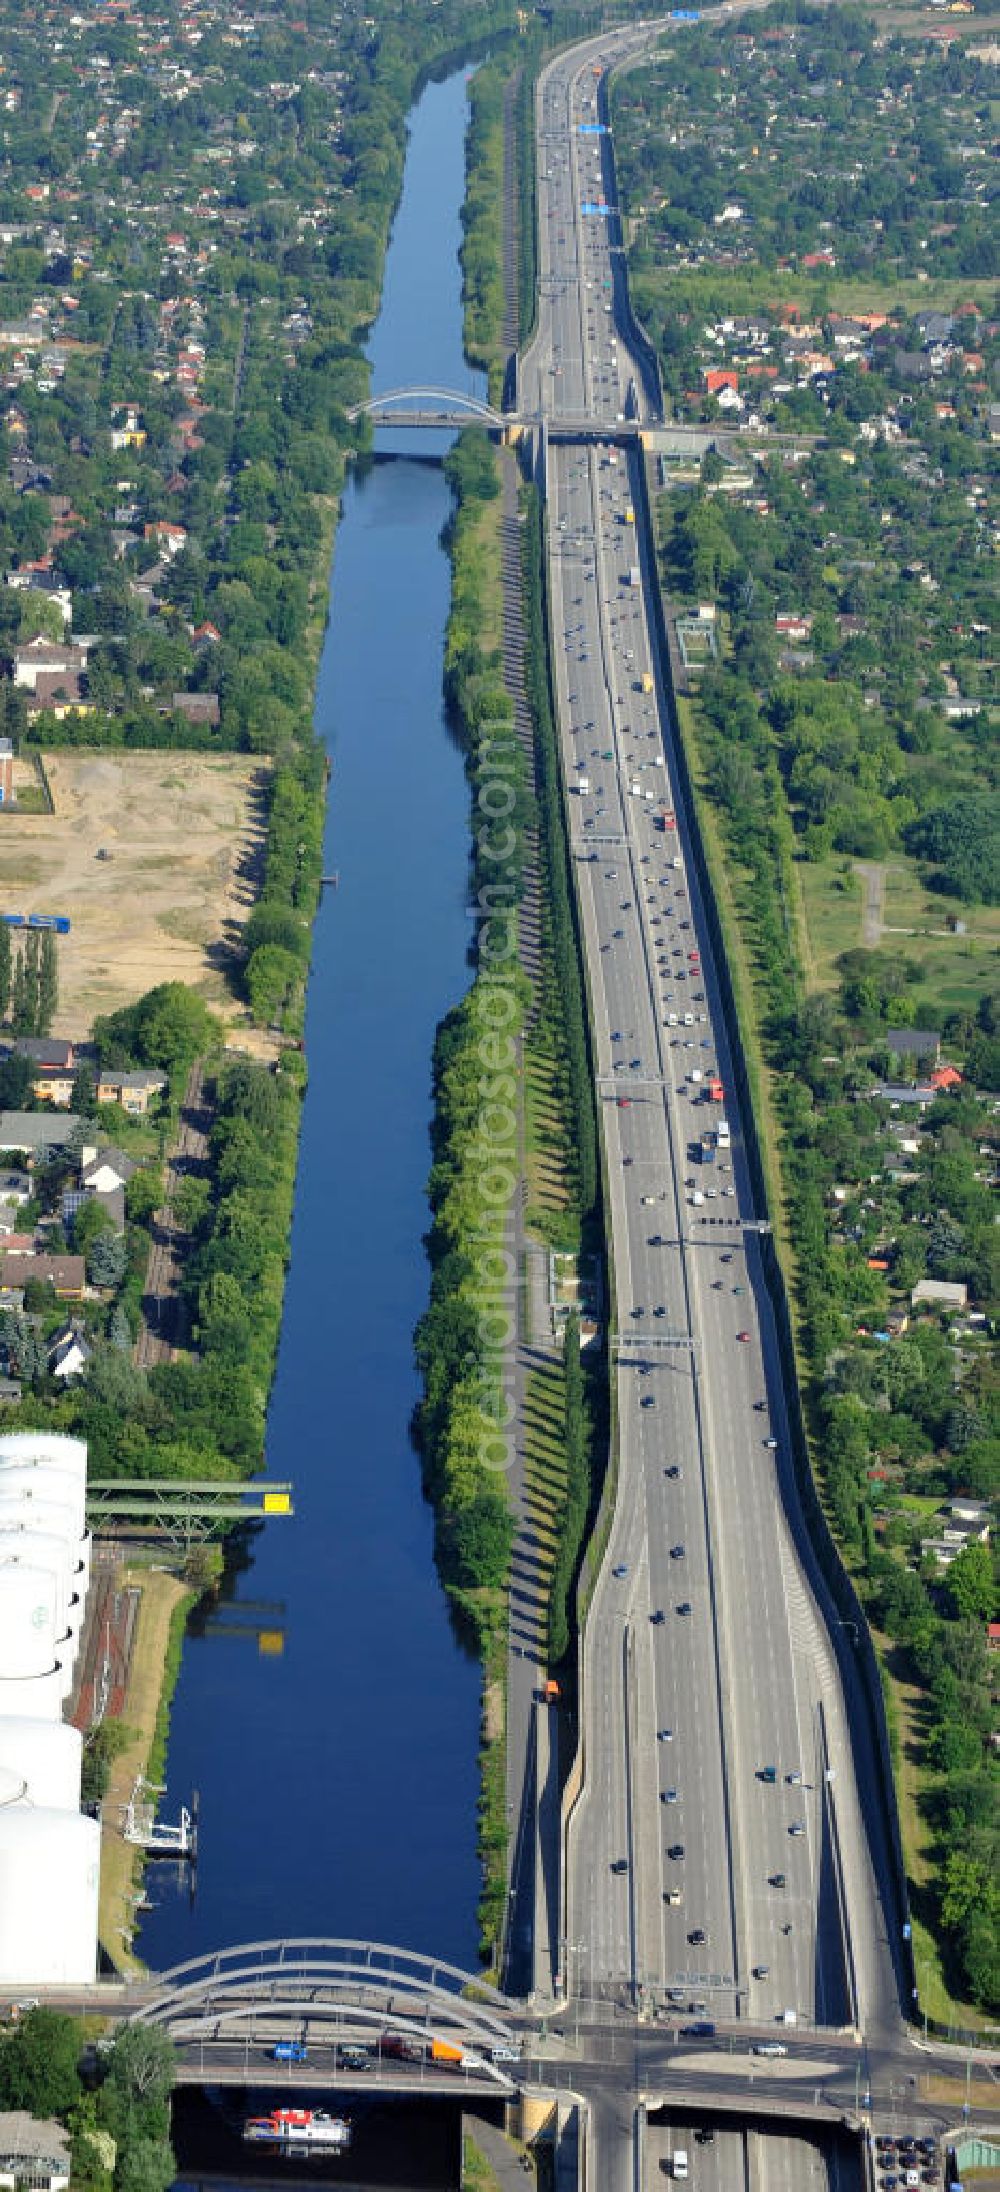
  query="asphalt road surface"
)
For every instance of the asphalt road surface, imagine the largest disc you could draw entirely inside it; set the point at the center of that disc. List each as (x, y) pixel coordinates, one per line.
(707, 1659)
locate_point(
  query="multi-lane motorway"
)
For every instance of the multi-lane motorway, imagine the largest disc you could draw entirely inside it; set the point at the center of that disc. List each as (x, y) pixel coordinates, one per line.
(727, 1820)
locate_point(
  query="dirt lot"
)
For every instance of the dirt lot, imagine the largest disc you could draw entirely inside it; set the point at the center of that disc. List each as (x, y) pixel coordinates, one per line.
(184, 835)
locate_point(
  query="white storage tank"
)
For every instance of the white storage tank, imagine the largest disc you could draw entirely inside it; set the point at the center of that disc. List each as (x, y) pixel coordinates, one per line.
(30, 1549)
(45, 1450)
(52, 1548)
(19, 1499)
(45, 1757)
(37, 1697)
(28, 1620)
(45, 1487)
(49, 1875)
(50, 1520)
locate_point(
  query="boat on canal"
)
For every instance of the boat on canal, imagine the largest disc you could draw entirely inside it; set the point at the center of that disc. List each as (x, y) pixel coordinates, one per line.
(299, 2130)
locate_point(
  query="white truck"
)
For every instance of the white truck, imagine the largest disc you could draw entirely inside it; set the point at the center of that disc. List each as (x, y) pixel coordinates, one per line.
(722, 1133)
(679, 2162)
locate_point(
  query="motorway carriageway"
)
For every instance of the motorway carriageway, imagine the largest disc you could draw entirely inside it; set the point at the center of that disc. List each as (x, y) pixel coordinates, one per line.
(748, 1678)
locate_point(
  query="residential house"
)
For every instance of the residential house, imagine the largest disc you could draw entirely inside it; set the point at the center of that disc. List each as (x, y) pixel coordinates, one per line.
(15, 1189)
(111, 1199)
(67, 1275)
(168, 538)
(69, 1353)
(913, 1043)
(51, 1086)
(109, 1170)
(34, 2151)
(905, 1092)
(940, 1293)
(197, 707)
(973, 1515)
(41, 657)
(40, 1134)
(48, 1052)
(133, 1091)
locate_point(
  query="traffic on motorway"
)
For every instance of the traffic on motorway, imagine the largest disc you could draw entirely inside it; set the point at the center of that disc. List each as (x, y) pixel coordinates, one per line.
(718, 1838)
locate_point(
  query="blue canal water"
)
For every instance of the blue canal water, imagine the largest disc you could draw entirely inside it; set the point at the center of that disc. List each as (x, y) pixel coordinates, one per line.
(338, 1774)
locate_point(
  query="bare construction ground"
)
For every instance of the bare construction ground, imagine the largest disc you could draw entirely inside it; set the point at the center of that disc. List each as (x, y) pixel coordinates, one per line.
(183, 837)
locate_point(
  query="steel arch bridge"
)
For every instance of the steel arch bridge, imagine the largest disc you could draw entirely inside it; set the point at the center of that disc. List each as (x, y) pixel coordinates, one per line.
(365, 1984)
(450, 402)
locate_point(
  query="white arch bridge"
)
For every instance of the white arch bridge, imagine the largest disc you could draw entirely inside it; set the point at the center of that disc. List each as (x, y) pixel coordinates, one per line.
(226, 2011)
(429, 407)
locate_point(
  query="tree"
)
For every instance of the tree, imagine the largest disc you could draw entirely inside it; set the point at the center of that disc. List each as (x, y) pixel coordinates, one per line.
(38, 2064)
(108, 1260)
(120, 1330)
(971, 1585)
(147, 2165)
(481, 1535)
(141, 2065)
(167, 1027)
(48, 983)
(90, 1220)
(962, 838)
(83, 1097)
(271, 977)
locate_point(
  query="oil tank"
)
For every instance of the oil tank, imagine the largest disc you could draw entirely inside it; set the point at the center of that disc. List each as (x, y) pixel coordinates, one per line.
(44, 1757)
(44, 1487)
(45, 1450)
(38, 1697)
(43, 1549)
(28, 1620)
(49, 1873)
(30, 1549)
(53, 1521)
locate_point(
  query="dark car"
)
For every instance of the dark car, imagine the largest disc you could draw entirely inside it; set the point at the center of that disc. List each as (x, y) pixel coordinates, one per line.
(685, 1606)
(705, 2136)
(676, 1850)
(776, 1879)
(619, 1864)
(696, 1936)
(701, 2029)
(658, 1618)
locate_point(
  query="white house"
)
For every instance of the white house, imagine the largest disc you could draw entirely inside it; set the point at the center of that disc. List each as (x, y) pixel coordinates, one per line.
(69, 1353)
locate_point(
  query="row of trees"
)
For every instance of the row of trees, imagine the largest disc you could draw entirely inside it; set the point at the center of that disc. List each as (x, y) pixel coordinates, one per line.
(476, 1075)
(482, 220)
(29, 979)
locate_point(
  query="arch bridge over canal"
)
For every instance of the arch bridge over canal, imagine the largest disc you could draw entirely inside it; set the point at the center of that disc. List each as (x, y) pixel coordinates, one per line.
(223, 2009)
(431, 407)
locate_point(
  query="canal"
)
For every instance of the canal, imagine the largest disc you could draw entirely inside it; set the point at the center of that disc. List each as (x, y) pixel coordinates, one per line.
(329, 1719)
